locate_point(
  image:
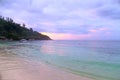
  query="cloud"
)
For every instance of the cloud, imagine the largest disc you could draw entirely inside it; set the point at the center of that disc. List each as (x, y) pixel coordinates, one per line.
(77, 17)
(110, 10)
(111, 13)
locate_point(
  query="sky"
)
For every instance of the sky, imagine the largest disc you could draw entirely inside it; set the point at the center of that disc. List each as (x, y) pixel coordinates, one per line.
(67, 19)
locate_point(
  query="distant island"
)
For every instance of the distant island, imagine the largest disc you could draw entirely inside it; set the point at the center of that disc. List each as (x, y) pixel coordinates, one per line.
(9, 30)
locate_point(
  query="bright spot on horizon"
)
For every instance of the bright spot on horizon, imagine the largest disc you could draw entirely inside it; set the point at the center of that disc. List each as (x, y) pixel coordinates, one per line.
(57, 36)
(65, 36)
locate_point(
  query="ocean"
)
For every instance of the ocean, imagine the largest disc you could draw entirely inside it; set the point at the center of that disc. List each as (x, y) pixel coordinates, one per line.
(99, 60)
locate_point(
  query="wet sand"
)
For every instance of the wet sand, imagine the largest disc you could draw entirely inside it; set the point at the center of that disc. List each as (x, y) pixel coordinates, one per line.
(13, 68)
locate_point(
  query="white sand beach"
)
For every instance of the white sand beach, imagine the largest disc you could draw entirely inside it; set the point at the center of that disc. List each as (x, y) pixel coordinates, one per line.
(12, 68)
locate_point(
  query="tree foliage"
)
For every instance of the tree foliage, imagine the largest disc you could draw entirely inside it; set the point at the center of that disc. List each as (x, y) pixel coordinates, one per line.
(12, 30)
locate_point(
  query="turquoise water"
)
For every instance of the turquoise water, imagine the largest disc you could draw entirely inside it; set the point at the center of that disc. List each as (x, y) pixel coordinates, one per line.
(95, 59)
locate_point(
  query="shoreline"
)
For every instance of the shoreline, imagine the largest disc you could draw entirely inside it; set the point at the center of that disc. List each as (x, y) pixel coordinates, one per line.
(12, 68)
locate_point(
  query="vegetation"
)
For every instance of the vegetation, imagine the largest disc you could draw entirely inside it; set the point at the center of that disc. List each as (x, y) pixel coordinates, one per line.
(11, 30)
